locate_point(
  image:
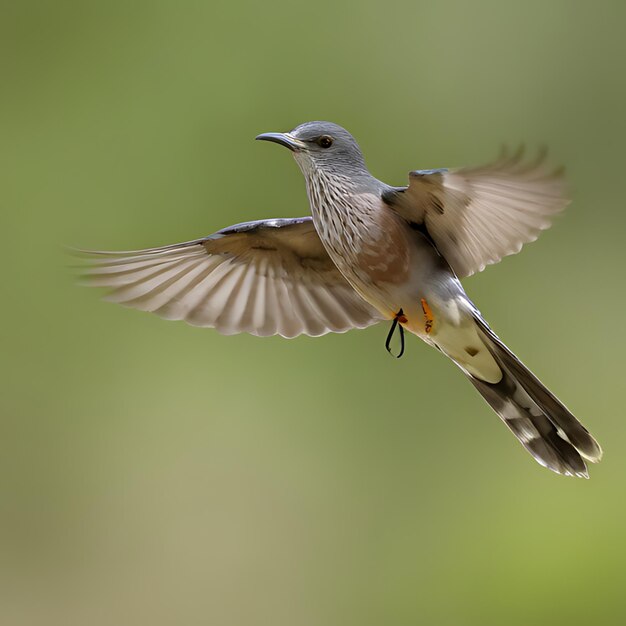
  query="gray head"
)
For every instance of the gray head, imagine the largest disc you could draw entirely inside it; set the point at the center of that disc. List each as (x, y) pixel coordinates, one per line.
(322, 146)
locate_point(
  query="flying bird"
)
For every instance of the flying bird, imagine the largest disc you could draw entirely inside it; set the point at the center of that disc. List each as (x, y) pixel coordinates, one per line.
(371, 252)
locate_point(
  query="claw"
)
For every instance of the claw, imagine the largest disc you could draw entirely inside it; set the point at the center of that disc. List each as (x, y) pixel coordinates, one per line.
(398, 318)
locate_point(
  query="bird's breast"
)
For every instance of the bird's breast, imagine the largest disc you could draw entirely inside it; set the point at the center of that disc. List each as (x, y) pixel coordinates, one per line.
(367, 242)
(384, 253)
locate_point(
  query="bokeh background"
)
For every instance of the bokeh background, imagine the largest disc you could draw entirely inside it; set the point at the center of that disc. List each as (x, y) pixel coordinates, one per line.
(155, 473)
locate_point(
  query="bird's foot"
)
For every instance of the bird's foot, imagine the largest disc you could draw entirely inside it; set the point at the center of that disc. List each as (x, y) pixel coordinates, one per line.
(398, 320)
(429, 319)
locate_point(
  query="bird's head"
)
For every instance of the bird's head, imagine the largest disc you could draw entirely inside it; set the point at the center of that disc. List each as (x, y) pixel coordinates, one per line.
(321, 146)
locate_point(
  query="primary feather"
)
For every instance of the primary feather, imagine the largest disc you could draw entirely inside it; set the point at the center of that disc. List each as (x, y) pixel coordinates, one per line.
(476, 216)
(265, 278)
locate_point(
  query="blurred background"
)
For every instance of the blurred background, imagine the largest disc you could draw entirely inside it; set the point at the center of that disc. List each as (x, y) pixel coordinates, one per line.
(156, 473)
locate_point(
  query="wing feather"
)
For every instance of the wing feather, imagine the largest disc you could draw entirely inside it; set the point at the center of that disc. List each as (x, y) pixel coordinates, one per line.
(267, 277)
(477, 216)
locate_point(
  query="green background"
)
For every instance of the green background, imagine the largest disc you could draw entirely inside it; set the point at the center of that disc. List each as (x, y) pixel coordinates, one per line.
(155, 473)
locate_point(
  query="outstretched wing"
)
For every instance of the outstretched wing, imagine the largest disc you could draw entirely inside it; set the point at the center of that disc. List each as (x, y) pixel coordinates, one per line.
(476, 216)
(265, 278)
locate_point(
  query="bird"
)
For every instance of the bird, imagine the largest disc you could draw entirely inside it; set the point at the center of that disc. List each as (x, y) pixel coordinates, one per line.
(371, 252)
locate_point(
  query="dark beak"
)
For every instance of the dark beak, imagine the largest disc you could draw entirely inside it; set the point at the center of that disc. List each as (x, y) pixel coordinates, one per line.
(284, 139)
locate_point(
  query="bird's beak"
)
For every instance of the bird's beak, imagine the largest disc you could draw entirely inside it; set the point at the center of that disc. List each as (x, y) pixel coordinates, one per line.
(284, 139)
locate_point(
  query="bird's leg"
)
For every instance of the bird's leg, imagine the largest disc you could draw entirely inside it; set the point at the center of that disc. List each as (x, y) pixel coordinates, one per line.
(428, 316)
(400, 317)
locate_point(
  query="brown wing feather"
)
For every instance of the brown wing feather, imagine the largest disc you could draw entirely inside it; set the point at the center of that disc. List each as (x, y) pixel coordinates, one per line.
(476, 216)
(267, 277)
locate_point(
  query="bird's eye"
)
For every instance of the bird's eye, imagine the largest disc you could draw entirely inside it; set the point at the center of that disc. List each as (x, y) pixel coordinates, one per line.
(325, 141)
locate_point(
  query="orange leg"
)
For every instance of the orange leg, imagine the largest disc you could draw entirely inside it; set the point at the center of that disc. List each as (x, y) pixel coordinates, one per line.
(429, 319)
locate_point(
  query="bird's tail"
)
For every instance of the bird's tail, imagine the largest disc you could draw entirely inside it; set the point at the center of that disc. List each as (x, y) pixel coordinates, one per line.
(545, 427)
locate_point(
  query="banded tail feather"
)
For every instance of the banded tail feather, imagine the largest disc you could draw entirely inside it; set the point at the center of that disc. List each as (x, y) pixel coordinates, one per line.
(542, 423)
